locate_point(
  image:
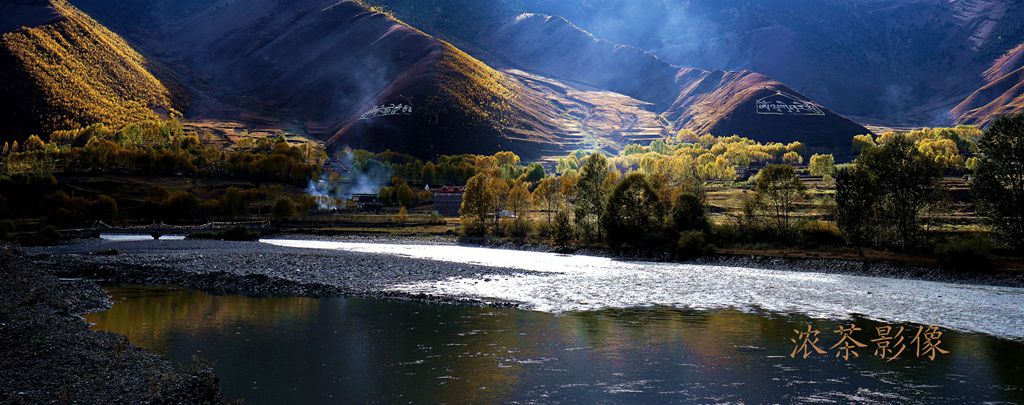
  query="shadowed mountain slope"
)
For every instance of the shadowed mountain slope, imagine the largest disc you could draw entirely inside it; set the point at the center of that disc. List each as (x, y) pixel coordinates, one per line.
(61, 69)
(719, 102)
(339, 71)
(898, 62)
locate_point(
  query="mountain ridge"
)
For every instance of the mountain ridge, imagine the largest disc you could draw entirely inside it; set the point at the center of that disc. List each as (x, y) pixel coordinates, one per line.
(720, 102)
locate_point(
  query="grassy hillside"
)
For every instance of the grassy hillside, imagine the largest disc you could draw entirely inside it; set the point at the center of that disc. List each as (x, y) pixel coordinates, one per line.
(72, 72)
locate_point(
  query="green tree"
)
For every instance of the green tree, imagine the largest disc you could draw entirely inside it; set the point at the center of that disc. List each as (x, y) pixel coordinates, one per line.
(283, 209)
(689, 213)
(403, 194)
(590, 194)
(998, 182)
(822, 165)
(792, 158)
(506, 158)
(498, 189)
(561, 230)
(856, 200)
(428, 173)
(633, 211)
(862, 142)
(181, 206)
(798, 148)
(534, 173)
(235, 202)
(907, 184)
(104, 208)
(778, 189)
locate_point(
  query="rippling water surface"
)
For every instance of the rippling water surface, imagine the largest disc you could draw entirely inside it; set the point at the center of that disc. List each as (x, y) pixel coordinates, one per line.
(355, 350)
(578, 283)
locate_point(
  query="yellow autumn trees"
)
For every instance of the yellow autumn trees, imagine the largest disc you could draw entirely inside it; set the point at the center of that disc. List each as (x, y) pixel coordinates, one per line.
(946, 147)
(706, 157)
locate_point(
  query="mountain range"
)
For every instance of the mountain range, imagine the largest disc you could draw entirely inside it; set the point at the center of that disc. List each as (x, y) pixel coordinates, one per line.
(536, 77)
(891, 62)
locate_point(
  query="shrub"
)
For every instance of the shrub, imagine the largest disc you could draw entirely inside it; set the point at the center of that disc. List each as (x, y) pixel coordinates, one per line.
(541, 229)
(744, 232)
(284, 209)
(691, 244)
(518, 227)
(240, 233)
(7, 227)
(561, 230)
(964, 253)
(104, 208)
(815, 233)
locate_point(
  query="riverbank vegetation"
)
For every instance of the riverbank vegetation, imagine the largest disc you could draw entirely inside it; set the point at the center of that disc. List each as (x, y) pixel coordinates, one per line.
(941, 191)
(946, 192)
(147, 171)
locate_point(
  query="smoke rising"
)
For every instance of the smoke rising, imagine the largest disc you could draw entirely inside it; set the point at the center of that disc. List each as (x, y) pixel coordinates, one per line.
(349, 174)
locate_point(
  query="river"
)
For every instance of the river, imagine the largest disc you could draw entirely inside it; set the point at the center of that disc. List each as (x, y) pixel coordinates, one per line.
(590, 329)
(579, 283)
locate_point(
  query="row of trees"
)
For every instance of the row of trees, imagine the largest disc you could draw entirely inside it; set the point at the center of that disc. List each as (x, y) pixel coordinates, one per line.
(882, 200)
(594, 203)
(445, 169)
(159, 147)
(948, 148)
(706, 157)
(896, 182)
(164, 148)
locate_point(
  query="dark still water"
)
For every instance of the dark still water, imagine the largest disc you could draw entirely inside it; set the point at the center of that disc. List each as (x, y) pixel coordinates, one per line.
(301, 350)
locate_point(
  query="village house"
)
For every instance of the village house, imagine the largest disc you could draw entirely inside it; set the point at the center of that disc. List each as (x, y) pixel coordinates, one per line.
(448, 200)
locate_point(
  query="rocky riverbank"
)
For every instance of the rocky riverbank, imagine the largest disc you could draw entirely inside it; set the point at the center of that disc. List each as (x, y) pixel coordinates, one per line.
(252, 268)
(50, 355)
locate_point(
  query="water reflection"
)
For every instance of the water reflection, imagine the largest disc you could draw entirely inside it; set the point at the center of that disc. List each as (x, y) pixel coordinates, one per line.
(119, 237)
(364, 350)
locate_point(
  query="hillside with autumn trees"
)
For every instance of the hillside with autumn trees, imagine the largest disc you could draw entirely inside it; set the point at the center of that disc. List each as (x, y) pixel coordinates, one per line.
(61, 70)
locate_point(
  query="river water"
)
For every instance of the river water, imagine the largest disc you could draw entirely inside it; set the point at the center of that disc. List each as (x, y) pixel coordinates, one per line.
(590, 330)
(355, 350)
(580, 283)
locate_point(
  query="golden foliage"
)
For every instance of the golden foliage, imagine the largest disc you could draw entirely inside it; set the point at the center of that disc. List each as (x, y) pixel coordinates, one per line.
(474, 87)
(945, 146)
(85, 72)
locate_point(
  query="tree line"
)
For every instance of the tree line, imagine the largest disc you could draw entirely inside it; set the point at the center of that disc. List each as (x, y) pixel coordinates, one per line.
(160, 147)
(654, 196)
